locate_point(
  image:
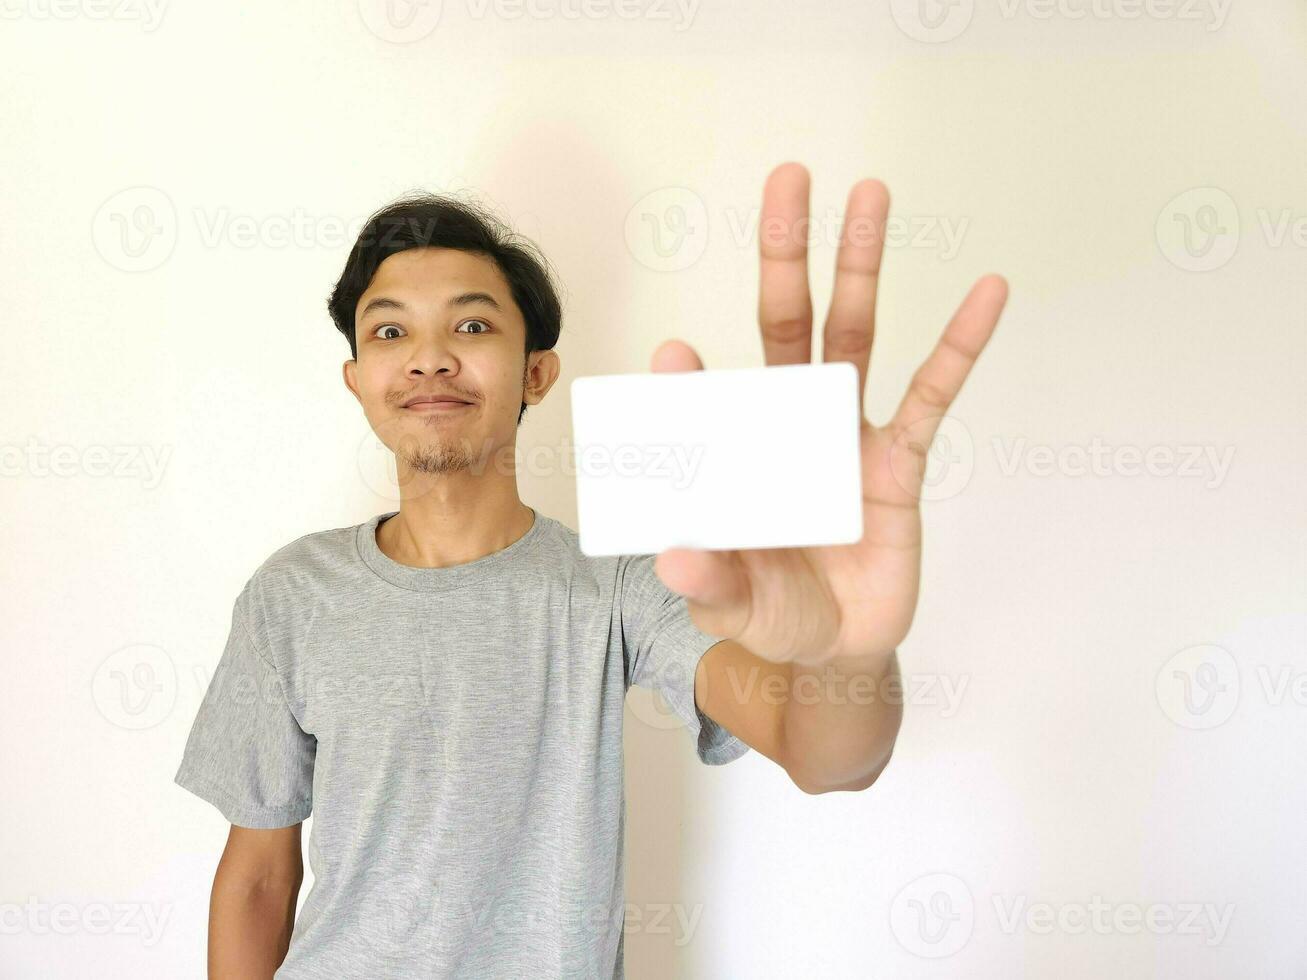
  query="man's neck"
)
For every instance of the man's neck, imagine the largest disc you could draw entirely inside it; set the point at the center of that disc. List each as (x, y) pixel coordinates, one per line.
(444, 526)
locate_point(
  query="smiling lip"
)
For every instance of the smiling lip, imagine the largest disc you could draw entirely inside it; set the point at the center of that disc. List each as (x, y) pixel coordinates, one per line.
(427, 407)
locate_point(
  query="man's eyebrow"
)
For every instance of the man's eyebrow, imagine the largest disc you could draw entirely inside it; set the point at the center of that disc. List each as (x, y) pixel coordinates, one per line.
(462, 299)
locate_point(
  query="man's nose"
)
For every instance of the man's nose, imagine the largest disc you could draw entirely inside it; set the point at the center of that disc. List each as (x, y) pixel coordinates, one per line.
(431, 356)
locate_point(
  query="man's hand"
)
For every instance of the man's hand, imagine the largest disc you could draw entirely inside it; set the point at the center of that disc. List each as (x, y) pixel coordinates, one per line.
(845, 604)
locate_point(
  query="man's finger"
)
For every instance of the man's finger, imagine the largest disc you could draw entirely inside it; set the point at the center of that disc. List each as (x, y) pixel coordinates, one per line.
(851, 321)
(939, 379)
(675, 355)
(784, 302)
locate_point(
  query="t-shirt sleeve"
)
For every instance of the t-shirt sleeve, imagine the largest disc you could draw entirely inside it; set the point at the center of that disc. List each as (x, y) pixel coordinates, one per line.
(246, 753)
(663, 648)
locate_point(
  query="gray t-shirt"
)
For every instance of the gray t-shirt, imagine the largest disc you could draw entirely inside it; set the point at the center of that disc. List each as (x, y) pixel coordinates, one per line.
(456, 733)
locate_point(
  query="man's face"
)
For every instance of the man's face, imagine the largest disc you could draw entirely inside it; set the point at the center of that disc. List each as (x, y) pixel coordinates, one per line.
(439, 321)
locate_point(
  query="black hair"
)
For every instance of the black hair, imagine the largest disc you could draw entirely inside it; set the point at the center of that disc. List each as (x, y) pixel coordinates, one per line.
(441, 221)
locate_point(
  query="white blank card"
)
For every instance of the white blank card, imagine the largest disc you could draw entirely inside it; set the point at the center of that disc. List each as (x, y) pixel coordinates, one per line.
(733, 458)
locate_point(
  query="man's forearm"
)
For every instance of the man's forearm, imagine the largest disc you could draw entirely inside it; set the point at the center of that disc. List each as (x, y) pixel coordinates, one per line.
(841, 721)
(249, 928)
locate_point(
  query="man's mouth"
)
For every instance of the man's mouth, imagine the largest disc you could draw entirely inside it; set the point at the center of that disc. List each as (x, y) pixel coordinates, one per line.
(427, 406)
(435, 401)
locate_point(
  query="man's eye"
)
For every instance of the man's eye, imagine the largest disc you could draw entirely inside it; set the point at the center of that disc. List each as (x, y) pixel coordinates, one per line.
(482, 322)
(384, 326)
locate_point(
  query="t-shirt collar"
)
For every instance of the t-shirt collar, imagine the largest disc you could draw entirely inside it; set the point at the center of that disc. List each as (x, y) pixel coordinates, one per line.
(472, 572)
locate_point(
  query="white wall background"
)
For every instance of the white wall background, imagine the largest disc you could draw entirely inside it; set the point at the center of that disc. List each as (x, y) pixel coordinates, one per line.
(1060, 812)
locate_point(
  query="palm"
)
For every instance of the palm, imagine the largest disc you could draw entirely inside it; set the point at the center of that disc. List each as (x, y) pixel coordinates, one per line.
(811, 605)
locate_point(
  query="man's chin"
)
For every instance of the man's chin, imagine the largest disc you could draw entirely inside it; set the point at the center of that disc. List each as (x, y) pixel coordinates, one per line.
(437, 461)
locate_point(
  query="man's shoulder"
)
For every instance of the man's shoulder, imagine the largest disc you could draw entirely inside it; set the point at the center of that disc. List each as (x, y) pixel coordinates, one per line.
(630, 576)
(301, 566)
(328, 546)
(564, 545)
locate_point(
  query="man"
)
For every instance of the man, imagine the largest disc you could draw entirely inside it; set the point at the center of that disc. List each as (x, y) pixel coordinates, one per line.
(442, 685)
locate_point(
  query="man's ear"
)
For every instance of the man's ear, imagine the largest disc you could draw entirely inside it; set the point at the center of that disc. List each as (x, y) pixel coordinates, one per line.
(348, 369)
(538, 376)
